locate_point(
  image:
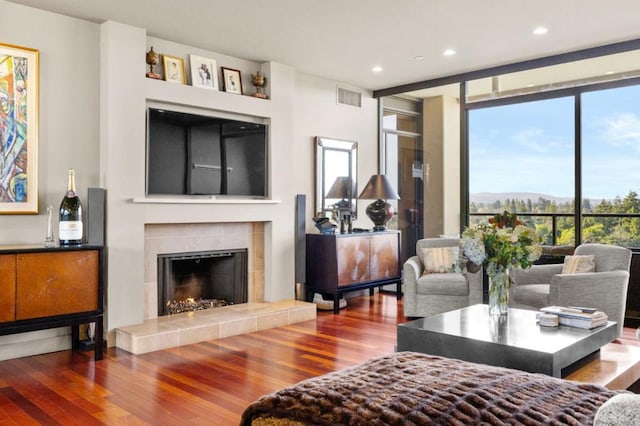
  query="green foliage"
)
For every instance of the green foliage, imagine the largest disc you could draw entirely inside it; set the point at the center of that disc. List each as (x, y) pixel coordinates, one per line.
(623, 231)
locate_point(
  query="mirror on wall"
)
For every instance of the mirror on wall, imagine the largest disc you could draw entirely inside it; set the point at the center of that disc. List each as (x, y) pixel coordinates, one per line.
(336, 177)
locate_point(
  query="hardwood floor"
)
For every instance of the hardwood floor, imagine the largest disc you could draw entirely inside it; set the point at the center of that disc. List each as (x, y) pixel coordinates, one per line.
(205, 383)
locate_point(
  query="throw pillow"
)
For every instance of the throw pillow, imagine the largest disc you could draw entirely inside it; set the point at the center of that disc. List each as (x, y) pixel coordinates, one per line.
(620, 410)
(439, 260)
(578, 264)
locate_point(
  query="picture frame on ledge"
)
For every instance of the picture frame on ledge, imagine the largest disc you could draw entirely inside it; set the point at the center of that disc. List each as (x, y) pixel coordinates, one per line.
(173, 69)
(232, 80)
(204, 72)
(19, 87)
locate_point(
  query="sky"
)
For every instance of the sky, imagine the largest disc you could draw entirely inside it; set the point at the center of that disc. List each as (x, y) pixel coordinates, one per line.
(529, 147)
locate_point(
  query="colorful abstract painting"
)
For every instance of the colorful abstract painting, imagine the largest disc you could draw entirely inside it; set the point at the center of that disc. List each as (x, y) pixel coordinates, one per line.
(18, 129)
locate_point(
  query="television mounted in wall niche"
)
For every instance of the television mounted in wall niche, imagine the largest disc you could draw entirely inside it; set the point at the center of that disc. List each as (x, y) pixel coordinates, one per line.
(200, 155)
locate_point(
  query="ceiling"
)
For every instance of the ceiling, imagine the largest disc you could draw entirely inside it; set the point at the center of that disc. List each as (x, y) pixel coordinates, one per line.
(343, 39)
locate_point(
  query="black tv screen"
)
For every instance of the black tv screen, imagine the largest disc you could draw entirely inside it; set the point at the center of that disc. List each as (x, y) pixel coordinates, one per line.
(191, 154)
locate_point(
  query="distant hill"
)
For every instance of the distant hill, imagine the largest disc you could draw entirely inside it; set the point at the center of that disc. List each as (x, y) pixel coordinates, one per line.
(490, 197)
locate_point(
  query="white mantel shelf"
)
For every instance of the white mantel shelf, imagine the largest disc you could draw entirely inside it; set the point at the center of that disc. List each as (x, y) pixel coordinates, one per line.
(213, 200)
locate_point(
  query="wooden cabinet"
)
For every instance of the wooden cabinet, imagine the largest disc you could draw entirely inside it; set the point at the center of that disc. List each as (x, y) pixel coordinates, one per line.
(7, 288)
(340, 263)
(59, 283)
(45, 288)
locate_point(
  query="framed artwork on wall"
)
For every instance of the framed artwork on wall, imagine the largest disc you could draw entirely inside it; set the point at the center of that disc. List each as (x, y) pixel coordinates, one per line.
(232, 80)
(18, 129)
(173, 69)
(204, 72)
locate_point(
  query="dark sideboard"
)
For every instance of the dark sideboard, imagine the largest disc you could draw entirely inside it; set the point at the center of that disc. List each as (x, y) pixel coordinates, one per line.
(43, 288)
(340, 263)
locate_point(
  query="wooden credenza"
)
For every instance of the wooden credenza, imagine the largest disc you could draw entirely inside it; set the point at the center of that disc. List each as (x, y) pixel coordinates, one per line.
(339, 263)
(44, 288)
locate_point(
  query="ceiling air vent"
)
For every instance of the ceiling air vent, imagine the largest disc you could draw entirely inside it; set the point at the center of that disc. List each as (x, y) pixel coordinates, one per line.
(349, 97)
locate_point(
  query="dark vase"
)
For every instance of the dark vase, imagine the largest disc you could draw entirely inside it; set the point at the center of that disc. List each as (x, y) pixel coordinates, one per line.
(379, 212)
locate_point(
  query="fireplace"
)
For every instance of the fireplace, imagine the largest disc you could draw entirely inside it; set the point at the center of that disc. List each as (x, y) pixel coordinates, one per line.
(219, 276)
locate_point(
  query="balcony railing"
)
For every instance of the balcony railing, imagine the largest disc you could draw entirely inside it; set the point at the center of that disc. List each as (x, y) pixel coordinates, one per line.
(554, 217)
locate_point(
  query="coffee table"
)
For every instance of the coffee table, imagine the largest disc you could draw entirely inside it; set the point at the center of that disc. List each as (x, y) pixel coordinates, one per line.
(513, 341)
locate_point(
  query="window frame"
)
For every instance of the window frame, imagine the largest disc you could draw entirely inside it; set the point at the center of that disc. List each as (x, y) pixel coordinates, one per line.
(576, 93)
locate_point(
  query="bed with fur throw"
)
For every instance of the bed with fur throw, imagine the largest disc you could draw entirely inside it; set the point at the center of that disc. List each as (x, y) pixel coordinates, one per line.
(408, 388)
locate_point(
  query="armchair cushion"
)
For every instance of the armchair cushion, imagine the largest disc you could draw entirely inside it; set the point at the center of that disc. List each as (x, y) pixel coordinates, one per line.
(454, 284)
(578, 264)
(439, 259)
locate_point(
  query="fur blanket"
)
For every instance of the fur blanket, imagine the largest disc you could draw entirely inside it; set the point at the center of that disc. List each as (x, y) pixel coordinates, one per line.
(409, 388)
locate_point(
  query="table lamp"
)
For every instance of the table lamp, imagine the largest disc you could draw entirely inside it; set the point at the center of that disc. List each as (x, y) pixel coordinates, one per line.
(342, 189)
(379, 188)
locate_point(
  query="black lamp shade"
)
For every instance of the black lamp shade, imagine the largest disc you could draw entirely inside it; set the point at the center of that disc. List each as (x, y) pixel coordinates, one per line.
(379, 188)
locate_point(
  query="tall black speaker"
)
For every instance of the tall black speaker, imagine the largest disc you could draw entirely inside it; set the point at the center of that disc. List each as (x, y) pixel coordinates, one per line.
(300, 245)
(96, 216)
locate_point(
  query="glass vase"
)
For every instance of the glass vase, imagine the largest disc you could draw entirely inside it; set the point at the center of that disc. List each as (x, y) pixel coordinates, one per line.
(499, 284)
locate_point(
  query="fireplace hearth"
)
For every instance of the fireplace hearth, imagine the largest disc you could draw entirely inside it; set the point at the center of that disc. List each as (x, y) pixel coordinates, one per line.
(202, 279)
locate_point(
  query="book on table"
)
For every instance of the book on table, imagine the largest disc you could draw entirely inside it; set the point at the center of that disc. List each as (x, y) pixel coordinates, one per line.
(587, 318)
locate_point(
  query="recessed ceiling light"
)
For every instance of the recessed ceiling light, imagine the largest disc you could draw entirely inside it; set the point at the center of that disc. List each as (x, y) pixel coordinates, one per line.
(609, 73)
(449, 52)
(540, 30)
(418, 58)
(377, 68)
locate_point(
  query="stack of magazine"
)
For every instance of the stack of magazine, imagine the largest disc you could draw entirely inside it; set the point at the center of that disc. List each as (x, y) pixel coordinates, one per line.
(577, 317)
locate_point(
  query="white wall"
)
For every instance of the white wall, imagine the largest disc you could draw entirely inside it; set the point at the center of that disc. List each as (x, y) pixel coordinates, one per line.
(68, 127)
(318, 114)
(69, 99)
(93, 94)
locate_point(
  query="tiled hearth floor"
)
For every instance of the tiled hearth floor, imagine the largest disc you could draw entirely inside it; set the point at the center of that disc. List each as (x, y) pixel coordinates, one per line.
(183, 329)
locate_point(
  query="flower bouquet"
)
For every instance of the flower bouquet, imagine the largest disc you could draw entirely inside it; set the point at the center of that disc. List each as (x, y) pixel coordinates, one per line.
(499, 245)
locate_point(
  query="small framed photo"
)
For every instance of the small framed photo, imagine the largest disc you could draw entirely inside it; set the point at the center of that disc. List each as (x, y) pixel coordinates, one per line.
(173, 69)
(232, 80)
(204, 72)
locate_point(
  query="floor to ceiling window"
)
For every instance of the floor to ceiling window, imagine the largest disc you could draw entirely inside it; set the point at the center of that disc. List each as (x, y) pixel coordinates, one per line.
(611, 166)
(521, 159)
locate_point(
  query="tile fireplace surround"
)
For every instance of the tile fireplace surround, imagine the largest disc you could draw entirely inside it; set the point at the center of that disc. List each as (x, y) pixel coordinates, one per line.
(174, 330)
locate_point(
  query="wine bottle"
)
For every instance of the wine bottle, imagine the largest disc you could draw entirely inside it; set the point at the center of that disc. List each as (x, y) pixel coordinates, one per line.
(70, 229)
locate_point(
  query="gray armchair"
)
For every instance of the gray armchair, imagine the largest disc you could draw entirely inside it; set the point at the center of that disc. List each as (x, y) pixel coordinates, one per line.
(431, 294)
(604, 289)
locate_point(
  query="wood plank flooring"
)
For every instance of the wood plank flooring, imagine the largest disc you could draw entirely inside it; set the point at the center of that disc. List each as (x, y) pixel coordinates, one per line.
(208, 383)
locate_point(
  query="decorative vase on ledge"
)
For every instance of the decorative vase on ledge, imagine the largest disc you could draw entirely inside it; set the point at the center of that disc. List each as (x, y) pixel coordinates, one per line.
(499, 284)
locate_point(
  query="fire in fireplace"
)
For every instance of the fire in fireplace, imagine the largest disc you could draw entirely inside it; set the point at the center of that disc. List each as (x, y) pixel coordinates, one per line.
(199, 280)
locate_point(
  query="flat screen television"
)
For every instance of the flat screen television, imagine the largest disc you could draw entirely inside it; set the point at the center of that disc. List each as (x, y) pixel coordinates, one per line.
(197, 154)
